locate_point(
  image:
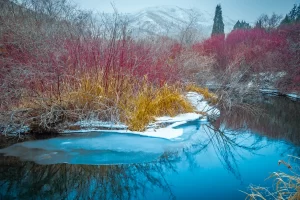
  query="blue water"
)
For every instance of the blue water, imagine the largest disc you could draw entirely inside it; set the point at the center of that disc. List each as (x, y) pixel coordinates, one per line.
(210, 161)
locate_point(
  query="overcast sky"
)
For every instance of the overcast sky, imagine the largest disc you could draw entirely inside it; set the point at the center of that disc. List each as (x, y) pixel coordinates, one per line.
(248, 10)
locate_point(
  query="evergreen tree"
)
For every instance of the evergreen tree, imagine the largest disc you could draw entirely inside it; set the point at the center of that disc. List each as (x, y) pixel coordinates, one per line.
(218, 27)
(293, 13)
(293, 16)
(286, 20)
(241, 25)
(298, 14)
(237, 25)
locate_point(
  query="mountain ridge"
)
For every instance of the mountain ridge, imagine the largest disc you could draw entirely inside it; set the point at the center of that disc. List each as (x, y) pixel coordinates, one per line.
(170, 20)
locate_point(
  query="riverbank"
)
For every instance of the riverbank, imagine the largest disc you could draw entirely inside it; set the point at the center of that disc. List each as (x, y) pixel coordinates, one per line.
(161, 127)
(200, 106)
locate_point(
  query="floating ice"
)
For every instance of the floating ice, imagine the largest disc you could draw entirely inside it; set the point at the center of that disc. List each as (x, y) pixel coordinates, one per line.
(106, 147)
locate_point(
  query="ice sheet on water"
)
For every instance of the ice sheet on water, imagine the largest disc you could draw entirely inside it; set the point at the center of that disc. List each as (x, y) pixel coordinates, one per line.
(109, 147)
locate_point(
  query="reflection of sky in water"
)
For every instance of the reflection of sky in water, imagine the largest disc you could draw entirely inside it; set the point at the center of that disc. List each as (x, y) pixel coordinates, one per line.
(204, 163)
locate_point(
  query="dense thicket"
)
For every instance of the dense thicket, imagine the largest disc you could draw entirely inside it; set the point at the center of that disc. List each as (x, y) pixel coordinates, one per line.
(267, 55)
(60, 64)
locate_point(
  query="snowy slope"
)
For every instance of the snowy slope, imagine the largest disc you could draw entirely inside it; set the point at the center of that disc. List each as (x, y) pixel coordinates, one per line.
(170, 20)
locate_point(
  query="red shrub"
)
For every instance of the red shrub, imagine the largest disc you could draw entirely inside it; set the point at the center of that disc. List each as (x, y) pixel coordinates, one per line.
(213, 46)
(257, 48)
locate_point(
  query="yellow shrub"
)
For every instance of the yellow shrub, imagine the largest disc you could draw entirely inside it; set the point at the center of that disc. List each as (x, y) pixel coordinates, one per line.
(155, 102)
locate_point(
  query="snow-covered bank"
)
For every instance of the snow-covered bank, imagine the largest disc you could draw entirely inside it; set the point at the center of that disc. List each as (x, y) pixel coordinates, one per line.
(84, 124)
(293, 95)
(276, 92)
(269, 91)
(164, 127)
(200, 104)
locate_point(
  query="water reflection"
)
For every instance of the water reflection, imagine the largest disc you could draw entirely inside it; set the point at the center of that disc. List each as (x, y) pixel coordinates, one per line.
(27, 180)
(275, 117)
(228, 146)
(23, 180)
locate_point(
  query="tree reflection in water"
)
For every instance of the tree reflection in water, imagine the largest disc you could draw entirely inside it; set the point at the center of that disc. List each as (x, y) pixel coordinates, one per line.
(278, 118)
(228, 146)
(24, 180)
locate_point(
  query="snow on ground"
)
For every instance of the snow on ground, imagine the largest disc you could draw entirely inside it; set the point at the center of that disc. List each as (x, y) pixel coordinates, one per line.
(269, 91)
(164, 127)
(169, 132)
(100, 124)
(181, 117)
(200, 104)
(277, 92)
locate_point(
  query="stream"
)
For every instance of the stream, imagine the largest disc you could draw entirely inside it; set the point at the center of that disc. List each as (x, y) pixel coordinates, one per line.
(216, 160)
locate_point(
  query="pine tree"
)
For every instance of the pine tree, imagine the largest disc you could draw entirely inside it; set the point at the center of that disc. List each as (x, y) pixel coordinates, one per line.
(286, 20)
(298, 14)
(237, 25)
(293, 16)
(241, 25)
(218, 27)
(293, 13)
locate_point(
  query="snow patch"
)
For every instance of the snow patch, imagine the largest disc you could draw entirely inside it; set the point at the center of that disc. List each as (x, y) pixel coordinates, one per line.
(100, 124)
(276, 92)
(200, 104)
(168, 132)
(269, 91)
(179, 118)
(293, 96)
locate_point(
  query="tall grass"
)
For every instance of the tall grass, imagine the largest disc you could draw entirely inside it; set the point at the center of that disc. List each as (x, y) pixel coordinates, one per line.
(135, 102)
(286, 186)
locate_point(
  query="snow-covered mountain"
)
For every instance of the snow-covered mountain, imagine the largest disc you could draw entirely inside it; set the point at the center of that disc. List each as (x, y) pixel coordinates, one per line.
(173, 20)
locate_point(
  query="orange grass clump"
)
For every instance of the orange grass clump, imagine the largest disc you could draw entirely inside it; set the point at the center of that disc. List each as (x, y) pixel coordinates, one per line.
(153, 102)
